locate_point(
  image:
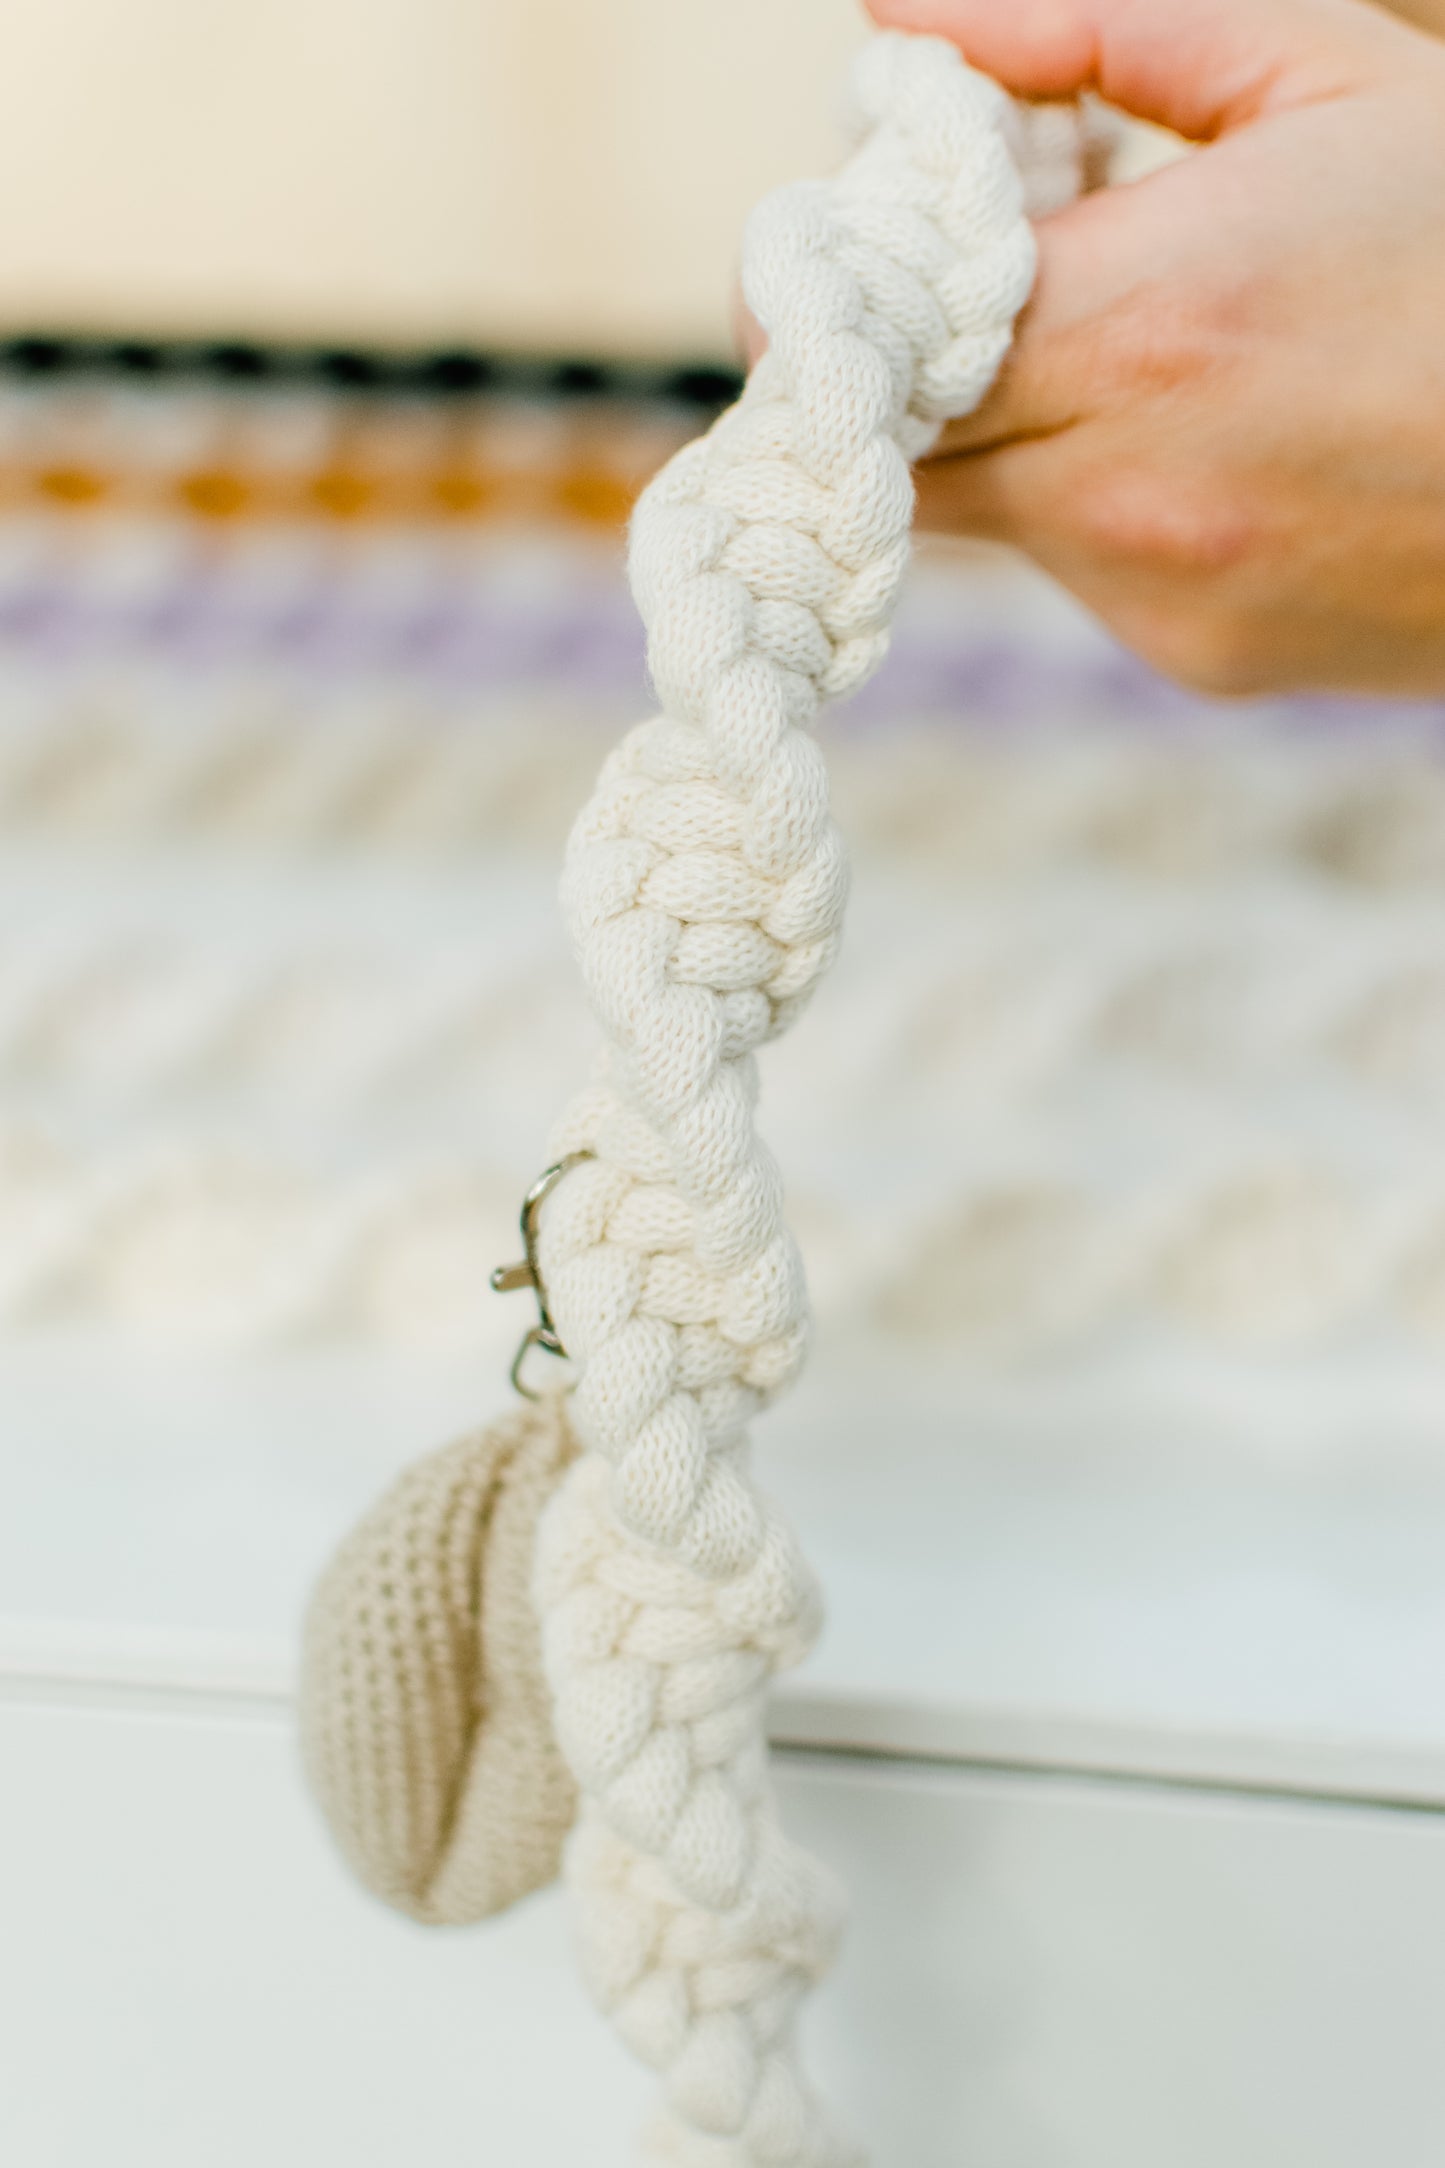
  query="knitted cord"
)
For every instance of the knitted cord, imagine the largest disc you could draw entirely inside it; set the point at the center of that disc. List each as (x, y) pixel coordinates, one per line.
(704, 887)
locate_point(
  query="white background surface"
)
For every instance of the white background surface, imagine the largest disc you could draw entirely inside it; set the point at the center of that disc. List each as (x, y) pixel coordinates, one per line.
(1040, 1975)
(416, 170)
(1103, 1573)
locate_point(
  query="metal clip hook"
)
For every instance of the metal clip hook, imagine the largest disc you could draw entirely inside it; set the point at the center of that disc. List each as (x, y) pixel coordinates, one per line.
(507, 1278)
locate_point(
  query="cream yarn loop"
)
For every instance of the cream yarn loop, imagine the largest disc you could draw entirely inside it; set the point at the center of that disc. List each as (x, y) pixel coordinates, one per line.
(704, 886)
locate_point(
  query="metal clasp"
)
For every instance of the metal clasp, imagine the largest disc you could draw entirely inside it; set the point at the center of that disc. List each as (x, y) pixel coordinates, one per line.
(507, 1278)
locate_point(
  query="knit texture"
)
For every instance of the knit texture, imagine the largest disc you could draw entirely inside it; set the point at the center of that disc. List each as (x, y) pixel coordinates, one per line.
(704, 887)
(425, 1719)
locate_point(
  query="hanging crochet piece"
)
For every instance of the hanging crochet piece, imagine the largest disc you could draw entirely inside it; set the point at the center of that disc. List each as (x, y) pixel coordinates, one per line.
(425, 1718)
(704, 888)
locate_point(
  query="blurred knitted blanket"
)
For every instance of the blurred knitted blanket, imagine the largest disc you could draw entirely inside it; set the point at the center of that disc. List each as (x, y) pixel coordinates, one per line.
(285, 766)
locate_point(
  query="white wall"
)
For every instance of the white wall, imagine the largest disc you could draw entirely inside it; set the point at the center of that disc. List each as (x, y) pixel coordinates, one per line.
(572, 173)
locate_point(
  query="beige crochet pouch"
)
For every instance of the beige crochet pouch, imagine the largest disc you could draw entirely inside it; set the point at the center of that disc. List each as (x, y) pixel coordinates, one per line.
(426, 1722)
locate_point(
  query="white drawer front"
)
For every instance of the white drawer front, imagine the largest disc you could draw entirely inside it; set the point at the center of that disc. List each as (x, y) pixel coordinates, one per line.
(1042, 1974)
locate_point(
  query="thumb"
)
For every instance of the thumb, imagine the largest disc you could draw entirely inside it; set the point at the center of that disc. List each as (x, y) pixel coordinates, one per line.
(1200, 67)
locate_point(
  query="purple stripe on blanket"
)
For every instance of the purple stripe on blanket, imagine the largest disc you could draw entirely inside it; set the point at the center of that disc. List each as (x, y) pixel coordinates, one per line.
(579, 636)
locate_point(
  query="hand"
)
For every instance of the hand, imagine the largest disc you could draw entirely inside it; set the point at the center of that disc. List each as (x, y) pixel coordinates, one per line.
(1223, 421)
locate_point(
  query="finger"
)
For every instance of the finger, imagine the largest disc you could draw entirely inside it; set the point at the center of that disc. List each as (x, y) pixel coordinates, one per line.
(1056, 371)
(1201, 67)
(1085, 339)
(1050, 376)
(999, 496)
(1028, 497)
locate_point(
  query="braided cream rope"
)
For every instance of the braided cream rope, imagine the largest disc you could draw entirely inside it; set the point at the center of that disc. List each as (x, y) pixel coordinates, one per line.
(705, 884)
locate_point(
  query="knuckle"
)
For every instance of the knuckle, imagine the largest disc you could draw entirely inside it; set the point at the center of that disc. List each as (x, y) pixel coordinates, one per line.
(1160, 523)
(1158, 340)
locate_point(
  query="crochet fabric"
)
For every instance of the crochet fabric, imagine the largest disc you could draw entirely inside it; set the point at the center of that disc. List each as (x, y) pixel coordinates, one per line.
(425, 1718)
